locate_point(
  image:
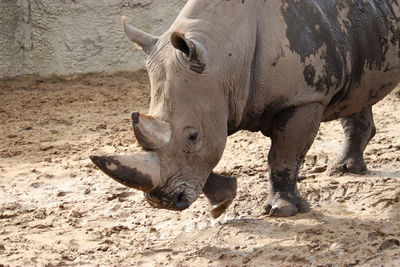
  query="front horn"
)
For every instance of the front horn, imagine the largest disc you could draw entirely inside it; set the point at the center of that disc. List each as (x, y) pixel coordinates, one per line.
(143, 40)
(140, 171)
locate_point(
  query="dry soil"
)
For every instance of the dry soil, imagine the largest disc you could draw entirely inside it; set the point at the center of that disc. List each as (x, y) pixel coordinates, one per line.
(57, 209)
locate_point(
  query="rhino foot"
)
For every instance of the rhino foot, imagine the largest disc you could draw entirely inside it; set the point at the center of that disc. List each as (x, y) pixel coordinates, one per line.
(284, 207)
(217, 210)
(359, 129)
(220, 191)
(348, 165)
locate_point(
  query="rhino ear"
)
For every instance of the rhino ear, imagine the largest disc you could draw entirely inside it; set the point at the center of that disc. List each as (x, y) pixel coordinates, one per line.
(179, 41)
(192, 51)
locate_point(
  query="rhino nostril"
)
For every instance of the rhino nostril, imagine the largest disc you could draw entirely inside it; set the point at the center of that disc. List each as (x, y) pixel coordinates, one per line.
(180, 198)
(181, 202)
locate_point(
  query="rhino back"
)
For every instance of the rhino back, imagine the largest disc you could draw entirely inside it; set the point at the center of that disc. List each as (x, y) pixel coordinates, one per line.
(276, 55)
(341, 53)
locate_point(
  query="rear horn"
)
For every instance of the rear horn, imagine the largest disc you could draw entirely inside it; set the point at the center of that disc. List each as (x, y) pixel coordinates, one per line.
(151, 133)
(144, 40)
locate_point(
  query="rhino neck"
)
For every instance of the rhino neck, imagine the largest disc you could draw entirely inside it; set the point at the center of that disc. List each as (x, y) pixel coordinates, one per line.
(236, 40)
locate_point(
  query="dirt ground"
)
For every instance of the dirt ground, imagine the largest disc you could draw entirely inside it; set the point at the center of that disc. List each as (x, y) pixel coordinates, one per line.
(57, 209)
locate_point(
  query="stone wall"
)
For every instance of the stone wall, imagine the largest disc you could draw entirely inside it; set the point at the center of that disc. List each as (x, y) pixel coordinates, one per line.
(76, 36)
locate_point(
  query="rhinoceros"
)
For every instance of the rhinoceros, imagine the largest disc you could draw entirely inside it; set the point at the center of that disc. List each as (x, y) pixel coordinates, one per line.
(276, 66)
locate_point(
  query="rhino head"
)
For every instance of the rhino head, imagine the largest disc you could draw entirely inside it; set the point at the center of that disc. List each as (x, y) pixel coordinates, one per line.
(185, 132)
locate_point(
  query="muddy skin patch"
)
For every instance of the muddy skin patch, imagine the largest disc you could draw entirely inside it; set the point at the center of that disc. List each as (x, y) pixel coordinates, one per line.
(309, 27)
(366, 28)
(309, 74)
(268, 115)
(373, 94)
(281, 181)
(283, 118)
(361, 128)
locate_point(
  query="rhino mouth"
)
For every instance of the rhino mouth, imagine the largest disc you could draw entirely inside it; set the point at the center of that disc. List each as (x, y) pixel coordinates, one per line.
(178, 193)
(179, 199)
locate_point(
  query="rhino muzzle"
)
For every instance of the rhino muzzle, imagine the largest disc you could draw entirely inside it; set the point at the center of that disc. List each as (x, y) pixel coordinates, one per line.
(178, 193)
(180, 199)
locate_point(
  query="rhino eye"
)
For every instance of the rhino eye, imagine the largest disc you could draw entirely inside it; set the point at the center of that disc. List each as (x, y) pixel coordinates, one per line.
(193, 136)
(193, 140)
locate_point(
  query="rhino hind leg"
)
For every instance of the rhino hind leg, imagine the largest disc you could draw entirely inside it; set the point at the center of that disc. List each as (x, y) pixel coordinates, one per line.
(359, 129)
(220, 191)
(293, 132)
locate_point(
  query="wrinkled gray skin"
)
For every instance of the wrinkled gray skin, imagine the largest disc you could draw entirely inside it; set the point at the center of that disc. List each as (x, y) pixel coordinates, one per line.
(276, 66)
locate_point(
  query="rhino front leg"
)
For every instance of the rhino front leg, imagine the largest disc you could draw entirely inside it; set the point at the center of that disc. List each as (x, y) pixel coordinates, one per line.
(359, 130)
(220, 191)
(293, 133)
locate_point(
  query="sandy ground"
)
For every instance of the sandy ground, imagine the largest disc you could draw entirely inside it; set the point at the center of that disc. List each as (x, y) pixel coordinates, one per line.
(56, 209)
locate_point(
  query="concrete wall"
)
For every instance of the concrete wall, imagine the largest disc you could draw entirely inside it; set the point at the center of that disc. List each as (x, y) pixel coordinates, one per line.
(76, 36)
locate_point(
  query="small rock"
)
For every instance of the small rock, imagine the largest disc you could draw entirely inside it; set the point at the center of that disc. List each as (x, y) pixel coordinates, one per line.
(223, 257)
(103, 248)
(46, 148)
(114, 208)
(319, 169)
(119, 196)
(42, 226)
(40, 214)
(101, 126)
(389, 243)
(12, 206)
(61, 194)
(251, 237)
(76, 214)
(375, 235)
(35, 185)
(335, 247)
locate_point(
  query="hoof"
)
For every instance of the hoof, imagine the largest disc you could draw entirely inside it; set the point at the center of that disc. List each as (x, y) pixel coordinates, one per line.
(217, 210)
(348, 166)
(220, 191)
(277, 207)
